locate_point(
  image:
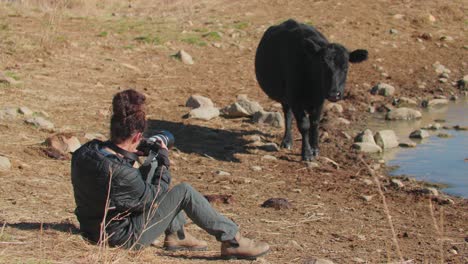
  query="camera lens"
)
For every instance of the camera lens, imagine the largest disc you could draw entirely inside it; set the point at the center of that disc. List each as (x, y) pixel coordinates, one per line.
(165, 136)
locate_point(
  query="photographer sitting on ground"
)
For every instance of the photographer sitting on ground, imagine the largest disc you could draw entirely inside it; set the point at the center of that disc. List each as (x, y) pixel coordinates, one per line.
(117, 205)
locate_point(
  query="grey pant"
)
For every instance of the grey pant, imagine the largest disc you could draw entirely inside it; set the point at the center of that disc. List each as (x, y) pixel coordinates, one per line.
(169, 217)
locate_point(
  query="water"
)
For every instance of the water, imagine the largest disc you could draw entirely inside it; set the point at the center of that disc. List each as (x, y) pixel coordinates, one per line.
(440, 160)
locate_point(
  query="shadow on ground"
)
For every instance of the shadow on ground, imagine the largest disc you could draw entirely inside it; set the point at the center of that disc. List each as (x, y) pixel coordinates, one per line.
(204, 141)
(62, 227)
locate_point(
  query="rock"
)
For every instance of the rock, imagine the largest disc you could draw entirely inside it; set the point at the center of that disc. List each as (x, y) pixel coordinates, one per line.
(196, 101)
(371, 109)
(419, 134)
(367, 182)
(184, 57)
(220, 198)
(256, 168)
(408, 144)
(434, 102)
(383, 89)
(386, 139)
(447, 38)
(9, 113)
(439, 68)
(385, 108)
(270, 147)
(393, 31)
(269, 157)
(40, 122)
(367, 198)
(242, 108)
(462, 83)
(222, 173)
(63, 143)
(317, 261)
(403, 113)
(430, 191)
(5, 163)
(346, 135)
(444, 135)
(431, 18)
(453, 97)
(204, 113)
(311, 164)
(460, 128)
(366, 147)
(359, 260)
(396, 183)
(405, 101)
(435, 126)
(277, 203)
(274, 119)
(25, 111)
(365, 136)
(333, 107)
(255, 138)
(91, 136)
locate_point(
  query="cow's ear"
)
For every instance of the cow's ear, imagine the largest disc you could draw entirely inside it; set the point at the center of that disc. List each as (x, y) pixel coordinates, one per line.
(311, 45)
(358, 55)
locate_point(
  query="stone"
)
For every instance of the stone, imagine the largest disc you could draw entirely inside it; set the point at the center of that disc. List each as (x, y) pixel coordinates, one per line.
(9, 113)
(222, 173)
(365, 136)
(274, 119)
(40, 122)
(234, 110)
(367, 182)
(462, 83)
(311, 164)
(366, 147)
(196, 101)
(434, 102)
(396, 183)
(204, 113)
(359, 260)
(63, 143)
(453, 97)
(403, 113)
(269, 157)
(460, 128)
(444, 135)
(277, 203)
(408, 144)
(447, 38)
(439, 68)
(184, 57)
(419, 134)
(270, 147)
(256, 168)
(25, 111)
(386, 139)
(317, 261)
(431, 191)
(393, 31)
(367, 198)
(405, 101)
(435, 126)
(343, 121)
(333, 107)
(5, 163)
(220, 198)
(383, 89)
(251, 107)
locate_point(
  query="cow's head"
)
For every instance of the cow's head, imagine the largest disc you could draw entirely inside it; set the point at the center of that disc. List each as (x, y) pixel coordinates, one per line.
(334, 60)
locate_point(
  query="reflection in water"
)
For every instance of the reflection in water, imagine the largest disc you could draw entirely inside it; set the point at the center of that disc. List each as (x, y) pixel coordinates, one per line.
(434, 159)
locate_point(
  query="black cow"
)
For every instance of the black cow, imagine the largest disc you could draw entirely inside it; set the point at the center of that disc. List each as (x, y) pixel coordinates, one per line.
(297, 66)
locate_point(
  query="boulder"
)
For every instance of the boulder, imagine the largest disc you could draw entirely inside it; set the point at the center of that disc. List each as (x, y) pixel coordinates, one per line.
(419, 134)
(196, 101)
(403, 113)
(365, 136)
(274, 119)
(5, 163)
(386, 139)
(40, 122)
(204, 113)
(383, 89)
(367, 147)
(63, 143)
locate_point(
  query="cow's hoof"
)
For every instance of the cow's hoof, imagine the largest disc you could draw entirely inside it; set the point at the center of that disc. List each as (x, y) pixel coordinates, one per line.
(308, 157)
(286, 145)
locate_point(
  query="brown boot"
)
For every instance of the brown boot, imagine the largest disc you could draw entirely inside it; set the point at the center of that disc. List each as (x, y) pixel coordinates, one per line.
(172, 242)
(247, 248)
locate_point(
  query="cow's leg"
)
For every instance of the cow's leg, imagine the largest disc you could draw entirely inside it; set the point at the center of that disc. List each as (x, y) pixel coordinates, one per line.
(303, 125)
(314, 118)
(287, 139)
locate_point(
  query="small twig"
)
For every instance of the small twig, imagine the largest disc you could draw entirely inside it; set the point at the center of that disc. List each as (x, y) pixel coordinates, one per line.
(14, 242)
(387, 211)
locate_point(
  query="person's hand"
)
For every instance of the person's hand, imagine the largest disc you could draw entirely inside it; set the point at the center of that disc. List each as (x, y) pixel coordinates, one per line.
(163, 154)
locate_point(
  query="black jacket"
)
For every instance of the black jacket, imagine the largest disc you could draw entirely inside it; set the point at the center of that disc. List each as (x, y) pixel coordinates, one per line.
(92, 169)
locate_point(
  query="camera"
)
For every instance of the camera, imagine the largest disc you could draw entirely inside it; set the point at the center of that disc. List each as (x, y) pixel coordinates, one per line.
(154, 142)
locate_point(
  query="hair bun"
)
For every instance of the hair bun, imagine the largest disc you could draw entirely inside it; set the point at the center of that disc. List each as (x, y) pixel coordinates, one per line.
(128, 103)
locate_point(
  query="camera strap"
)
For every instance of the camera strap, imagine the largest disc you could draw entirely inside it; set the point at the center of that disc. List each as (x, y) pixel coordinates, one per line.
(127, 154)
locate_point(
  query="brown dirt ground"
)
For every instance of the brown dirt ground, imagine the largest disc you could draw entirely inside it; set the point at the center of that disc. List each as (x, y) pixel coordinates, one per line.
(71, 57)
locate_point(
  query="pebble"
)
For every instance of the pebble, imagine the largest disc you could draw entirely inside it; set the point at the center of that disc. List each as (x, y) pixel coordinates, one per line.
(25, 111)
(367, 182)
(256, 168)
(367, 198)
(333, 107)
(343, 121)
(277, 203)
(274, 119)
(444, 135)
(386, 139)
(184, 57)
(359, 260)
(270, 147)
(435, 126)
(222, 173)
(396, 183)
(5, 163)
(408, 144)
(311, 164)
(365, 136)
(204, 113)
(383, 89)
(405, 101)
(9, 113)
(434, 102)
(269, 157)
(367, 147)
(317, 261)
